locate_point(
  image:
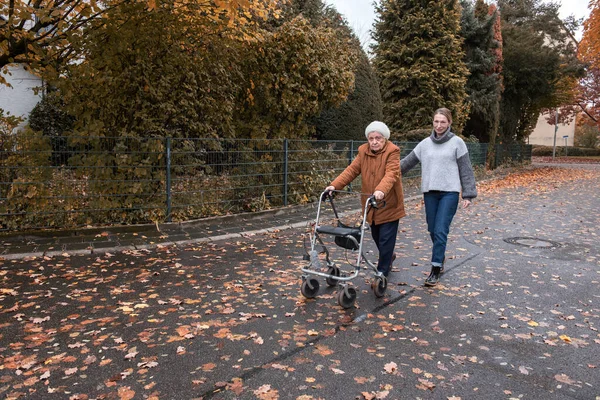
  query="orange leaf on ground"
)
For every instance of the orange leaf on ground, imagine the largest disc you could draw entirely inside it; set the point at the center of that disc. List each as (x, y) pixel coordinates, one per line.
(125, 393)
(209, 366)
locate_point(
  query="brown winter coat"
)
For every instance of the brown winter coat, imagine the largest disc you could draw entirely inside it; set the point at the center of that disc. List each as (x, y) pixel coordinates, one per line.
(379, 171)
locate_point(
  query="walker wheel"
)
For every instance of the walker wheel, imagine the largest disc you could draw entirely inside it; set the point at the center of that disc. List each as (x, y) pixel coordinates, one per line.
(379, 286)
(347, 297)
(310, 288)
(334, 271)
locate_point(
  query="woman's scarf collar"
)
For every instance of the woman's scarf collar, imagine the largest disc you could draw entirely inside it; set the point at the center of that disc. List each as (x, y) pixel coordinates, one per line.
(442, 139)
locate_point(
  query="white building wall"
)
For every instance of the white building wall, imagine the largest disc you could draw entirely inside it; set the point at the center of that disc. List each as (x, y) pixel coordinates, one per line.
(543, 134)
(19, 99)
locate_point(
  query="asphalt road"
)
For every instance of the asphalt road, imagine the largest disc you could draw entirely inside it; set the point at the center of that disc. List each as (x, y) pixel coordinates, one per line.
(516, 315)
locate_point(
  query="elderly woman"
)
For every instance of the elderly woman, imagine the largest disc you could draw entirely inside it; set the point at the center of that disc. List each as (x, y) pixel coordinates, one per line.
(378, 162)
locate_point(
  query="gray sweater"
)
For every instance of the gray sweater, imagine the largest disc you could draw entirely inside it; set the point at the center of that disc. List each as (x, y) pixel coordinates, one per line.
(445, 165)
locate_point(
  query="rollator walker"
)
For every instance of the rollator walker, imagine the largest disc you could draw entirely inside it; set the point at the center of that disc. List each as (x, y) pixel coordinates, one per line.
(347, 237)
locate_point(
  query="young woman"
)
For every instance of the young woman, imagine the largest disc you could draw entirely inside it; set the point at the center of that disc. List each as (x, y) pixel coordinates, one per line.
(445, 171)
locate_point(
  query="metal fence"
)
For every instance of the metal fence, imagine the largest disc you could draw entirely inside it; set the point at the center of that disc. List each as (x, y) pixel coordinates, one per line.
(514, 153)
(75, 181)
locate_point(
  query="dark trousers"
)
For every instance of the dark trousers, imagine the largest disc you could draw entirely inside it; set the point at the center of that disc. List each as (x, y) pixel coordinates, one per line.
(384, 236)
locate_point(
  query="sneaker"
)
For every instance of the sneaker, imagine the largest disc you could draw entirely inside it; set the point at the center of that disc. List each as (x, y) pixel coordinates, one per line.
(434, 276)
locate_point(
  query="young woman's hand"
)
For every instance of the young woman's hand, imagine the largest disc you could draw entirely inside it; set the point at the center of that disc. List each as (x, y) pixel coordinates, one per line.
(466, 203)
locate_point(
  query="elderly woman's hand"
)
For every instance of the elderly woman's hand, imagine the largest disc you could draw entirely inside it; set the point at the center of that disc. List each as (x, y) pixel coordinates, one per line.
(378, 194)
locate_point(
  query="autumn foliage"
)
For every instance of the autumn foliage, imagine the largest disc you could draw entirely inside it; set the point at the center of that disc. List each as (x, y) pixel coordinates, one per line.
(39, 35)
(587, 98)
(589, 48)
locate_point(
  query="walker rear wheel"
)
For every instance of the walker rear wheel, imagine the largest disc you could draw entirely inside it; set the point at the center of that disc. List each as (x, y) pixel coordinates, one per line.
(347, 297)
(380, 286)
(334, 271)
(309, 288)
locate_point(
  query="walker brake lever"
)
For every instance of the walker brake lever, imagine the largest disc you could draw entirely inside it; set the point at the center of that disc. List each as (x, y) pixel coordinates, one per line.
(376, 204)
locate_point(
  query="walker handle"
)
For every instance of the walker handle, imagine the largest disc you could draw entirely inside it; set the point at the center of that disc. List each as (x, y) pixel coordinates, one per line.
(327, 194)
(374, 203)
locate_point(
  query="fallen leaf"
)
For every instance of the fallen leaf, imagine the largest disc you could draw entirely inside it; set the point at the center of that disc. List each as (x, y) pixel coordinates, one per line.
(391, 367)
(523, 370)
(565, 338)
(125, 393)
(209, 366)
(564, 379)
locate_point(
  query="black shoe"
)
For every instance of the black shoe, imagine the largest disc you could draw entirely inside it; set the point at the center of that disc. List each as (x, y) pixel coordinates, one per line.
(434, 276)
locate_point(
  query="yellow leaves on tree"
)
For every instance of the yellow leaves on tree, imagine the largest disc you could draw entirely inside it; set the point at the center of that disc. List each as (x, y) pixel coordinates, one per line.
(39, 34)
(233, 18)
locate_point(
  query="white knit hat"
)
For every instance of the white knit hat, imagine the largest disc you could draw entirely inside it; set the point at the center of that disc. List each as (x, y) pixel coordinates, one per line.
(377, 126)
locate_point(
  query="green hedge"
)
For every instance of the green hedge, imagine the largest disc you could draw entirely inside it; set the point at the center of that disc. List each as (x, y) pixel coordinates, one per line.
(541, 151)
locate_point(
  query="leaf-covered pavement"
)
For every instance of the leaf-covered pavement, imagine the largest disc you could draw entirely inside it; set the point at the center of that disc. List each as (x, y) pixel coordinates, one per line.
(226, 320)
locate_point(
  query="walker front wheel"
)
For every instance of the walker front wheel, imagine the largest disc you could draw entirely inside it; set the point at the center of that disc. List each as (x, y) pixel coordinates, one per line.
(309, 288)
(347, 297)
(333, 271)
(380, 286)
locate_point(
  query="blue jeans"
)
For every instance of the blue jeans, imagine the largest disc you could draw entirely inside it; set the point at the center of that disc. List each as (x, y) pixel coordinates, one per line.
(384, 236)
(440, 208)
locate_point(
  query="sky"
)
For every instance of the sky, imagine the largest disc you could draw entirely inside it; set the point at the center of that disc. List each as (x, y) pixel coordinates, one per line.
(361, 14)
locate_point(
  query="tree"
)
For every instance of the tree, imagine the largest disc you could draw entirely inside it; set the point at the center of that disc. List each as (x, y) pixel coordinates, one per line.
(538, 56)
(313, 11)
(587, 135)
(419, 61)
(36, 34)
(49, 117)
(586, 98)
(587, 95)
(363, 103)
(291, 75)
(146, 75)
(39, 34)
(484, 83)
(589, 48)
(150, 73)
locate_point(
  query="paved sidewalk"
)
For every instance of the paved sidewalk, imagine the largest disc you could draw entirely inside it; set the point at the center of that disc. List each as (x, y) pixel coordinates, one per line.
(136, 237)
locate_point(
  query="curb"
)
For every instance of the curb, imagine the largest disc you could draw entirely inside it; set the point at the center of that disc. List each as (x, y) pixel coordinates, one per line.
(245, 234)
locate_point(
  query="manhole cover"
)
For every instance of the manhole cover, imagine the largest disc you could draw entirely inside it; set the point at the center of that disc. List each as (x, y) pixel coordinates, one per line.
(532, 242)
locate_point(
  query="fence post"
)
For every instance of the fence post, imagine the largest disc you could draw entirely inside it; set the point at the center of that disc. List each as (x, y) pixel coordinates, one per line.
(350, 158)
(485, 154)
(285, 172)
(168, 183)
